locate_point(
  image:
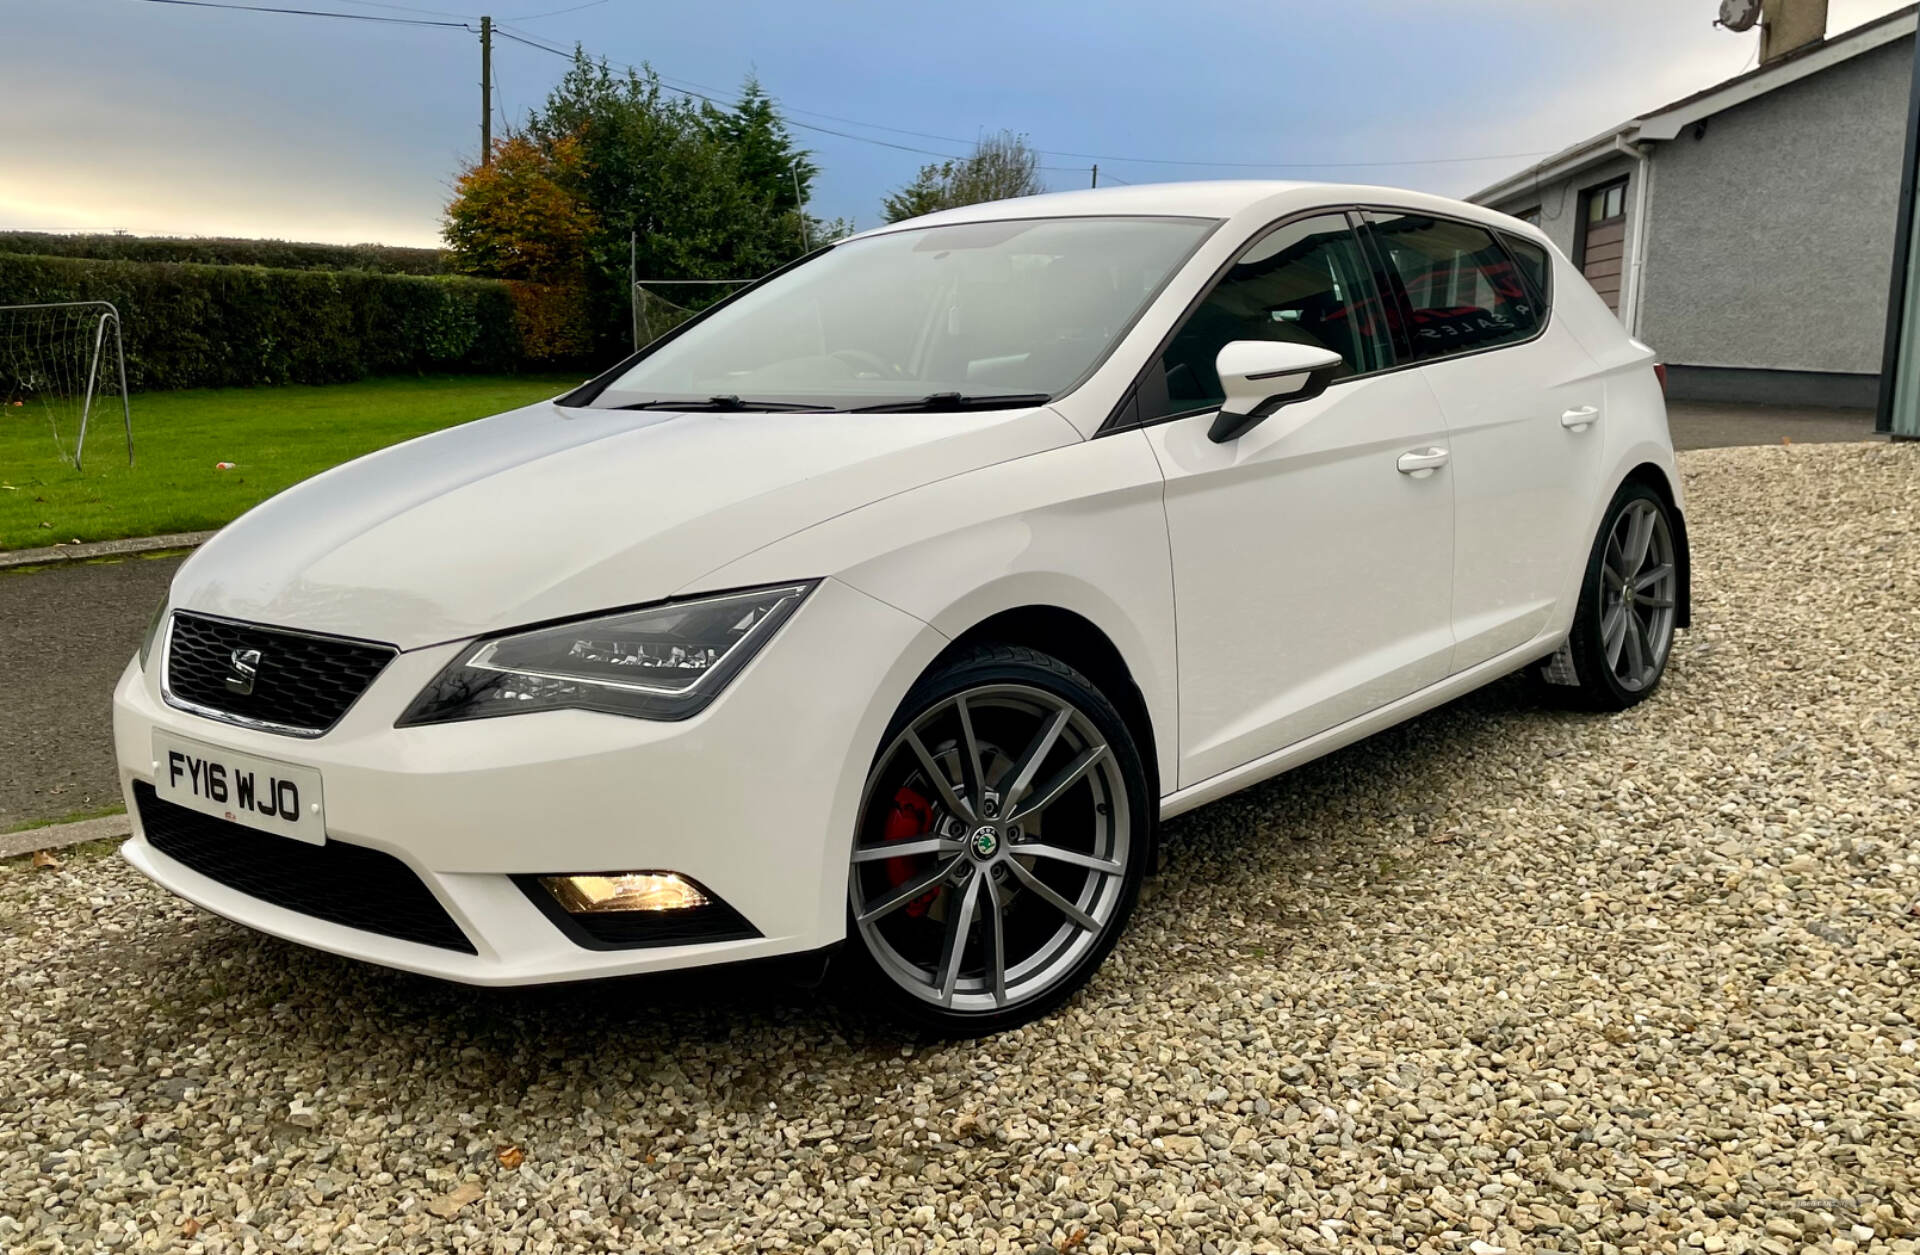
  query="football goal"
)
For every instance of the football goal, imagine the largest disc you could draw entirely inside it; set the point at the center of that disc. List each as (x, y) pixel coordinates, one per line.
(62, 364)
(654, 315)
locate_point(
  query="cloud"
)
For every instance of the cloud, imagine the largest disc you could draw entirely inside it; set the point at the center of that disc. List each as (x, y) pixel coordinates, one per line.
(152, 118)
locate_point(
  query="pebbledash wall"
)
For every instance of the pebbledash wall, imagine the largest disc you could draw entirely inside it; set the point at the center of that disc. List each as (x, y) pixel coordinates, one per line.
(1771, 236)
(1769, 221)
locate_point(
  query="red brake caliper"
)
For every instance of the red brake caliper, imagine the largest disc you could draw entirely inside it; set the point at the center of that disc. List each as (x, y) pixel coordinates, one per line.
(911, 816)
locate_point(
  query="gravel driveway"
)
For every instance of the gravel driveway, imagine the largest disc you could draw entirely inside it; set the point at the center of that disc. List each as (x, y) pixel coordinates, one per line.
(1501, 979)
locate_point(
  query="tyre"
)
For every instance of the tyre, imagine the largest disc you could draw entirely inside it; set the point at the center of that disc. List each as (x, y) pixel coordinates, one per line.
(1623, 627)
(1004, 831)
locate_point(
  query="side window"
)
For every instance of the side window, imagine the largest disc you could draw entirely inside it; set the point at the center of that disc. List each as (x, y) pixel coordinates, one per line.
(1462, 291)
(1306, 282)
(1533, 260)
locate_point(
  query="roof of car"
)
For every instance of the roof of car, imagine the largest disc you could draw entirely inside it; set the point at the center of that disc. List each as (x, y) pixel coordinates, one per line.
(1208, 199)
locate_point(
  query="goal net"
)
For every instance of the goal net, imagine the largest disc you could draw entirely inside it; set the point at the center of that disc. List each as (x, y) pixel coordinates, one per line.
(654, 315)
(62, 368)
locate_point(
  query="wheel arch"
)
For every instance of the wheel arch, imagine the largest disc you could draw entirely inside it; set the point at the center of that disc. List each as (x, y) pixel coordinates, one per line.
(1655, 477)
(1083, 645)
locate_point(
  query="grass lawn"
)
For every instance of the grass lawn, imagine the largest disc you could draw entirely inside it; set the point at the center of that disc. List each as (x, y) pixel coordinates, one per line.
(275, 437)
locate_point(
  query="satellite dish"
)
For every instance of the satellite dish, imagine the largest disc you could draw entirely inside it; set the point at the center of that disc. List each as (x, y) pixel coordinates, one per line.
(1739, 15)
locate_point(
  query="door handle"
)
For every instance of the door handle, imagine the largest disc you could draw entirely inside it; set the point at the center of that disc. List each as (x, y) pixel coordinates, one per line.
(1580, 419)
(1421, 463)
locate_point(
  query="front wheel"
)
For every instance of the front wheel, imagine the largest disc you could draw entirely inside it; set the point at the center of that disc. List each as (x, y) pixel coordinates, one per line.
(1623, 627)
(1003, 836)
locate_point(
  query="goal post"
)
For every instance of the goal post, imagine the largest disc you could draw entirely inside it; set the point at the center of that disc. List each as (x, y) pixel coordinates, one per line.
(64, 360)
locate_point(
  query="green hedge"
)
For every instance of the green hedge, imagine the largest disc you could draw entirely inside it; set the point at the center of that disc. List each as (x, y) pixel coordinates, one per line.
(232, 326)
(277, 254)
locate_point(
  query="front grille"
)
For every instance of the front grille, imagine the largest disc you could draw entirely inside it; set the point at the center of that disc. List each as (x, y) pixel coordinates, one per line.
(301, 684)
(343, 884)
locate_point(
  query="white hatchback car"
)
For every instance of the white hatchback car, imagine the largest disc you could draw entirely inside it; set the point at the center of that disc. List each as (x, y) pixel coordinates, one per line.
(891, 603)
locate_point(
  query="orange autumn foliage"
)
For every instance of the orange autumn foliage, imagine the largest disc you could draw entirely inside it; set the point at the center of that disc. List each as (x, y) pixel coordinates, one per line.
(517, 217)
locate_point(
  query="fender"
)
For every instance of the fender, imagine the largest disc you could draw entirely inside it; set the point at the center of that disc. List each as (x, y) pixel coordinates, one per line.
(1081, 528)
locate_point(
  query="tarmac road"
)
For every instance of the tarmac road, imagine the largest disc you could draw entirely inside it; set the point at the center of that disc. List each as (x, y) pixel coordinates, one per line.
(65, 633)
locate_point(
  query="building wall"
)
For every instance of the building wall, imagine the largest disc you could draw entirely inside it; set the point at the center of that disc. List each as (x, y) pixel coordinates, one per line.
(1771, 236)
(1559, 202)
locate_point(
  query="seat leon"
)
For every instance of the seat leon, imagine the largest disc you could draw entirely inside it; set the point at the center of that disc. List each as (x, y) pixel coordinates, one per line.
(885, 609)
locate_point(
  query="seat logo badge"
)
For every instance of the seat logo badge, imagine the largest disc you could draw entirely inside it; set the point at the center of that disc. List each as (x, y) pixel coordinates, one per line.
(243, 668)
(985, 841)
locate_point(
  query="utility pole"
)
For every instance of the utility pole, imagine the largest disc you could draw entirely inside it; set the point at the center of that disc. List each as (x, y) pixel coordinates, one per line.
(486, 91)
(806, 237)
(1096, 174)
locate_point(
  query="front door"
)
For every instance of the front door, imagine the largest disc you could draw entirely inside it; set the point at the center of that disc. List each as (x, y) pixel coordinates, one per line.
(1312, 575)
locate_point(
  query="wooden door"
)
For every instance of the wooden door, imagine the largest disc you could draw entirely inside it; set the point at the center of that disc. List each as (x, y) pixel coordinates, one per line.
(1603, 240)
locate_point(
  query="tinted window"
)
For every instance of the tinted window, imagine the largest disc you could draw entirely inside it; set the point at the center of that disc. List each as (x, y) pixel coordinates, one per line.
(1303, 283)
(1462, 290)
(1533, 260)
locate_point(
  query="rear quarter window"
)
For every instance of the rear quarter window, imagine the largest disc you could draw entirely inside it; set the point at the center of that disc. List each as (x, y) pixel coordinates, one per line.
(1535, 265)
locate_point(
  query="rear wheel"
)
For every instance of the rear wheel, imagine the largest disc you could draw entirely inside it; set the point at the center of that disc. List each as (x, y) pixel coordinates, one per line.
(1002, 841)
(1623, 628)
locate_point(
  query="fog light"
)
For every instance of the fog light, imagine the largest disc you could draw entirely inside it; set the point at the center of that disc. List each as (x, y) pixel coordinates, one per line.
(624, 891)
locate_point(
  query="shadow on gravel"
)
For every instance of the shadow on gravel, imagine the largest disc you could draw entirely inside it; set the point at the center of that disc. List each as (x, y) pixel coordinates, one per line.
(745, 1029)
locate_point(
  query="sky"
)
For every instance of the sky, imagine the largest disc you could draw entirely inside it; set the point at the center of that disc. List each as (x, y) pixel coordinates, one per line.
(161, 118)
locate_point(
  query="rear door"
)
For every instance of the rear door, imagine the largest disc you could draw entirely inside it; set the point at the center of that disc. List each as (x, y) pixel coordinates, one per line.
(1312, 576)
(1524, 408)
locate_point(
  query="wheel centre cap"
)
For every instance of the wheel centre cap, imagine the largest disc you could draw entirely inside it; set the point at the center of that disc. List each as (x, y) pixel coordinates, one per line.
(985, 841)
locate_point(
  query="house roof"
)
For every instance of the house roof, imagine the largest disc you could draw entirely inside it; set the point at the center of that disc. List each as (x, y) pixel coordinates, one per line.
(1669, 120)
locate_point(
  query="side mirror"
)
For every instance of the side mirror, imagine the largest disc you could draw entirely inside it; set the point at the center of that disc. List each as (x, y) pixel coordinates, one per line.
(1260, 376)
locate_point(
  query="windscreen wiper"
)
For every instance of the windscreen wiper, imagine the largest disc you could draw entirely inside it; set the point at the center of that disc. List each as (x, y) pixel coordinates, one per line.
(942, 401)
(724, 405)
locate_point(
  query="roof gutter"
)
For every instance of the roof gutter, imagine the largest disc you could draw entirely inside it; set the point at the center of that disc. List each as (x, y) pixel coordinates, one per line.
(1637, 231)
(1572, 161)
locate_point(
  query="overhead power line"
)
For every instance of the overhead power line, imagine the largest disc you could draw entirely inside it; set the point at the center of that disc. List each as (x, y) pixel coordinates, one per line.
(522, 38)
(352, 17)
(688, 85)
(707, 93)
(534, 17)
(406, 8)
(702, 91)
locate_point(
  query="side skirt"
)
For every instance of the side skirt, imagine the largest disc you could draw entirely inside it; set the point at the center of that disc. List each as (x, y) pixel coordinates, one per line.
(1322, 743)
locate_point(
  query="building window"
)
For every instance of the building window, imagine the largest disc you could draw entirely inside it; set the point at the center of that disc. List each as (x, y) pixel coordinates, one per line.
(1602, 247)
(1607, 204)
(1530, 216)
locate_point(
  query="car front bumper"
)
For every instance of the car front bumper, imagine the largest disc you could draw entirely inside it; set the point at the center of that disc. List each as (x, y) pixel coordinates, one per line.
(756, 798)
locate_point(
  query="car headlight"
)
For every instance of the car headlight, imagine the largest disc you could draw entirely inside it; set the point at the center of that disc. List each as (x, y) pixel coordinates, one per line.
(658, 662)
(153, 632)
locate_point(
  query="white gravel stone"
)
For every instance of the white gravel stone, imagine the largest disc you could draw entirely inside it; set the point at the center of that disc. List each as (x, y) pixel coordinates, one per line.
(1504, 979)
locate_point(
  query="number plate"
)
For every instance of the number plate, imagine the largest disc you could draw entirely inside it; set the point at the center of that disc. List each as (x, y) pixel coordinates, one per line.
(272, 796)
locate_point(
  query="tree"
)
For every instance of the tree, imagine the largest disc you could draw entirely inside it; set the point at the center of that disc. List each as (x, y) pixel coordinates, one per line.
(781, 175)
(1000, 167)
(519, 217)
(690, 192)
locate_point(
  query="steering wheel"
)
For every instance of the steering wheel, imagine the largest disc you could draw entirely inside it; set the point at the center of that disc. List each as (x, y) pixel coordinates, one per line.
(873, 362)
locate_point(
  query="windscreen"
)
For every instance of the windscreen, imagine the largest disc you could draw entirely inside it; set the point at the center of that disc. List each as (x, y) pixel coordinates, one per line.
(970, 310)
